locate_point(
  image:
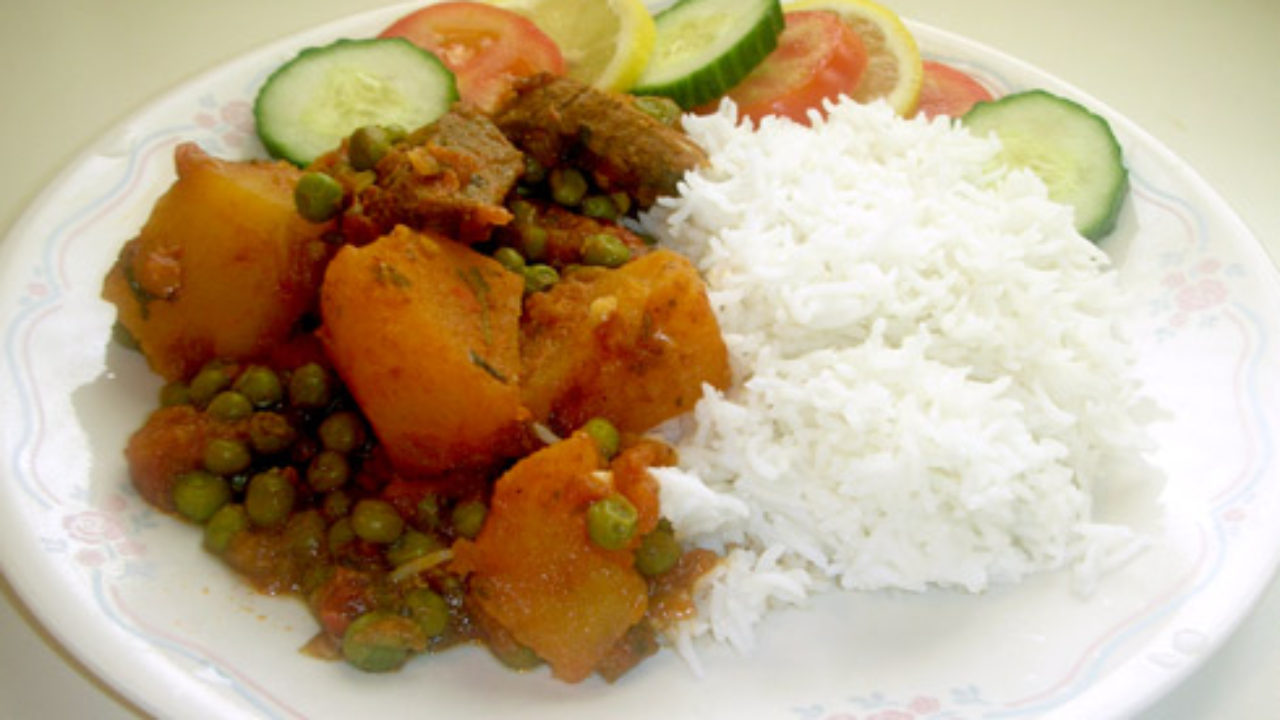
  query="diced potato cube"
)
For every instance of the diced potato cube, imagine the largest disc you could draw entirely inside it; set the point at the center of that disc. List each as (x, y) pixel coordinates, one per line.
(223, 268)
(424, 331)
(633, 345)
(535, 570)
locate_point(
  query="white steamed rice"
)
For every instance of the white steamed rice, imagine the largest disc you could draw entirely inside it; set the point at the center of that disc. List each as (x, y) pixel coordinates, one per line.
(930, 379)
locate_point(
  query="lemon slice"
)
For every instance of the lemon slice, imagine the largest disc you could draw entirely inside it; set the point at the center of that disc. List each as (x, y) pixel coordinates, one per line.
(605, 43)
(894, 69)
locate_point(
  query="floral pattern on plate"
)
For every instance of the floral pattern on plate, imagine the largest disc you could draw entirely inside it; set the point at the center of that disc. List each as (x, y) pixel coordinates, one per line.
(113, 579)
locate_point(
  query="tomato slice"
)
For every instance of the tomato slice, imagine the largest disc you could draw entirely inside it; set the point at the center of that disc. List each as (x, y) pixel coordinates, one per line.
(818, 57)
(948, 91)
(488, 48)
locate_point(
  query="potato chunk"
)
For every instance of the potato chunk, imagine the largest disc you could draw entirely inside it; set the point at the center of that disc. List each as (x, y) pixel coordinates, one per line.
(535, 571)
(424, 331)
(634, 345)
(224, 267)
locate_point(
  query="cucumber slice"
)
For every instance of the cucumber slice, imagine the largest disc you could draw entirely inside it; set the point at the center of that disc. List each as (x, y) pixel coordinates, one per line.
(705, 47)
(310, 103)
(1072, 150)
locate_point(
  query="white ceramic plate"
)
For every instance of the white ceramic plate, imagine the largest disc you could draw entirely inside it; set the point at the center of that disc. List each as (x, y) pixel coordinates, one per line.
(131, 594)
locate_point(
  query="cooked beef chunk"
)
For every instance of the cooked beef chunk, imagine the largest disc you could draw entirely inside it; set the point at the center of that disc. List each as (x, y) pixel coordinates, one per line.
(557, 120)
(450, 176)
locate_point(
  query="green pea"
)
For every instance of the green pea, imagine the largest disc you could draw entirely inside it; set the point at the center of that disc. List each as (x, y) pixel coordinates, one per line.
(604, 250)
(525, 214)
(663, 109)
(212, 379)
(229, 405)
(174, 393)
(568, 186)
(509, 258)
(317, 196)
(381, 641)
(336, 505)
(367, 146)
(328, 470)
(223, 525)
(122, 337)
(340, 535)
(468, 518)
(341, 431)
(376, 521)
(269, 498)
(538, 278)
(261, 385)
(427, 512)
(310, 386)
(199, 494)
(306, 534)
(621, 201)
(533, 240)
(599, 206)
(516, 656)
(534, 171)
(659, 551)
(429, 609)
(226, 456)
(452, 588)
(314, 576)
(411, 546)
(605, 434)
(611, 522)
(270, 432)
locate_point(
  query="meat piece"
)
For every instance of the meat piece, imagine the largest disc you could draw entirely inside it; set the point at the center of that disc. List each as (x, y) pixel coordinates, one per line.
(555, 119)
(450, 176)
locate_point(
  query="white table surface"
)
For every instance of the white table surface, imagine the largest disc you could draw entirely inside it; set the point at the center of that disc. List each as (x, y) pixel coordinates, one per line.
(1200, 76)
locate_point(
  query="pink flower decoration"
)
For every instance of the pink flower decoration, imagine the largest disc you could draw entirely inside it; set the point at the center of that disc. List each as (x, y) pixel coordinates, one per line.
(93, 527)
(924, 705)
(205, 120)
(235, 138)
(1175, 279)
(115, 504)
(90, 558)
(891, 715)
(1201, 295)
(1207, 267)
(238, 114)
(129, 547)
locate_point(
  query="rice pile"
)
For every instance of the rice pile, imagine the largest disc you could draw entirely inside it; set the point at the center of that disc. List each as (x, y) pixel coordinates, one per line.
(930, 380)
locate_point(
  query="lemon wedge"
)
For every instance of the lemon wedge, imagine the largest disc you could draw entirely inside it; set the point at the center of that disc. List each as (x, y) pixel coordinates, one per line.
(605, 43)
(894, 69)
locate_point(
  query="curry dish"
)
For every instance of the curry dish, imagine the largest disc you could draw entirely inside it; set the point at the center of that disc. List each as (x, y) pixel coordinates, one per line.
(411, 383)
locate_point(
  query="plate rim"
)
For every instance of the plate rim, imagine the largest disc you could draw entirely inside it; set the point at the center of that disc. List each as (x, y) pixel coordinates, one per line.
(29, 581)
